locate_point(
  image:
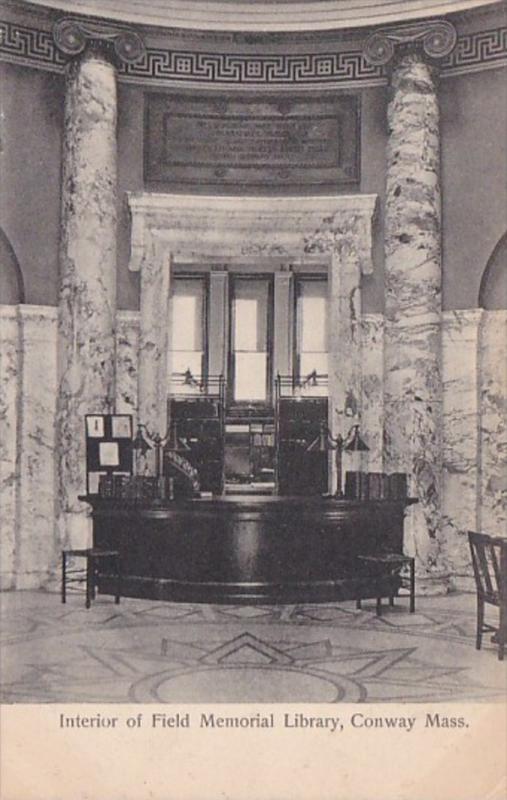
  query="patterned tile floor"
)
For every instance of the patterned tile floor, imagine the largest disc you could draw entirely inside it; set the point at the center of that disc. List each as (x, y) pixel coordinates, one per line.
(143, 651)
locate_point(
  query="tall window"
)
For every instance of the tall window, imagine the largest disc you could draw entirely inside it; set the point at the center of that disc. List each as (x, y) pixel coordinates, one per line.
(187, 330)
(311, 331)
(250, 311)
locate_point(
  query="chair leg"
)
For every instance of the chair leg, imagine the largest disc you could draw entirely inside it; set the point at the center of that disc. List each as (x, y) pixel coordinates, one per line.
(358, 603)
(64, 577)
(480, 623)
(412, 586)
(89, 580)
(118, 580)
(502, 632)
(391, 600)
(94, 578)
(379, 607)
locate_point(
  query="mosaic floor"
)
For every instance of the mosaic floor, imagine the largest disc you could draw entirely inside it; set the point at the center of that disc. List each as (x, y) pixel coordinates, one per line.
(143, 651)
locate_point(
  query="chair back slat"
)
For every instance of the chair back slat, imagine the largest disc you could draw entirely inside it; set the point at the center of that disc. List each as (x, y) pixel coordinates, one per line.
(494, 558)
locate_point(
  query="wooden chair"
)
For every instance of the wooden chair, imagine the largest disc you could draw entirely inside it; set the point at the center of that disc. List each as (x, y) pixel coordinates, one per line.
(489, 560)
(389, 564)
(88, 575)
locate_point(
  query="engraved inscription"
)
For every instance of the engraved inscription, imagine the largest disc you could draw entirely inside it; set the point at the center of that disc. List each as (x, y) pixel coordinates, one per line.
(282, 143)
(302, 142)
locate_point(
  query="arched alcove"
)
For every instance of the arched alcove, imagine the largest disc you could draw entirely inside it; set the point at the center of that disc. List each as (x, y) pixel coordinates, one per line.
(493, 288)
(12, 290)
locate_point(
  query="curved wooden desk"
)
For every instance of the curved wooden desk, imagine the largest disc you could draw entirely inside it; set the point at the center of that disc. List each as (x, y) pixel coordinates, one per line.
(249, 550)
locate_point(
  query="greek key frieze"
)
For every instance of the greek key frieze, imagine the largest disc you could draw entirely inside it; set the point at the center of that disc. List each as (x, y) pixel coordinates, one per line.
(23, 44)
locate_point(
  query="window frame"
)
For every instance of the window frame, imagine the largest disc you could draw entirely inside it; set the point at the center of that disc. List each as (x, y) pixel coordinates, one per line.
(203, 278)
(299, 279)
(234, 277)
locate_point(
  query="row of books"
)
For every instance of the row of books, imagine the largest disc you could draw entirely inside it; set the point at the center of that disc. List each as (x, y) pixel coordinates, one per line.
(136, 488)
(376, 486)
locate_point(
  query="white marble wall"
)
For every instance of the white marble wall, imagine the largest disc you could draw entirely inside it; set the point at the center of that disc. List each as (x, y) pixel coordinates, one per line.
(35, 550)
(29, 539)
(152, 385)
(460, 463)
(474, 369)
(492, 512)
(127, 344)
(28, 404)
(372, 402)
(10, 373)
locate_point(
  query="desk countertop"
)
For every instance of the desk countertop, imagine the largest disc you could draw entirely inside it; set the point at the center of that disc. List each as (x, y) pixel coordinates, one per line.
(267, 504)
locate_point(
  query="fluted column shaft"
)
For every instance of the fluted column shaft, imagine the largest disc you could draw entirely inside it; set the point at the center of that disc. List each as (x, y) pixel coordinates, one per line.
(413, 283)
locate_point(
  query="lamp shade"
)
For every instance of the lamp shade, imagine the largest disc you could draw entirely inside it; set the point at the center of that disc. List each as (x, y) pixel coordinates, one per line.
(355, 443)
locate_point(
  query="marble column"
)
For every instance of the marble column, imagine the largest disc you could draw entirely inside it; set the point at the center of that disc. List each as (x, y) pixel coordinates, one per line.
(87, 301)
(413, 274)
(218, 319)
(153, 367)
(283, 319)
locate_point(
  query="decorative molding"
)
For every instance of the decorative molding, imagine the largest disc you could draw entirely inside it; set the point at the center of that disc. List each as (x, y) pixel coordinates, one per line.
(30, 46)
(258, 16)
(436, 38)
(483, 48)
(72, 37)
(306, 228)
(276, 69)
(36, 48)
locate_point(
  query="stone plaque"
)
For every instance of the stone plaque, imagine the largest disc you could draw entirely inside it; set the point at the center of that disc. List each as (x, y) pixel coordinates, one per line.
(249, 144)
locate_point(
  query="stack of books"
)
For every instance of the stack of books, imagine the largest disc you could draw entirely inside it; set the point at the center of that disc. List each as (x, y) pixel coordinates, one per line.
(136, 488)
(376, 486)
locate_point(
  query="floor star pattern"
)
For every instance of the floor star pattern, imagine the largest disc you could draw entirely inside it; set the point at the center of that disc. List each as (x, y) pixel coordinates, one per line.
(144, 651)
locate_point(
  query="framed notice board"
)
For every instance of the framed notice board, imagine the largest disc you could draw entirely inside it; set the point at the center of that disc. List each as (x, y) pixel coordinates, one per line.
(108, 447)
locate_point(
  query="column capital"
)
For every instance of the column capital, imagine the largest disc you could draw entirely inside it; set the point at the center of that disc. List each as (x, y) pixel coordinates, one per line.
(73, 37)
(434, 39)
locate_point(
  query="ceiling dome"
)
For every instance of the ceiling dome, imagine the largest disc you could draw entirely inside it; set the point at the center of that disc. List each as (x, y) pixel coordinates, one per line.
(262, 15)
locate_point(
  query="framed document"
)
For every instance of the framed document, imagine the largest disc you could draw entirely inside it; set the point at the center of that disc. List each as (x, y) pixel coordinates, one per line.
(109, 454)
(121, 426)
(95, 426)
